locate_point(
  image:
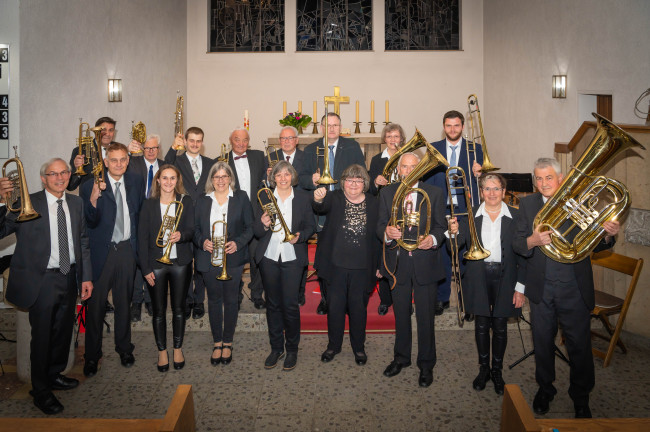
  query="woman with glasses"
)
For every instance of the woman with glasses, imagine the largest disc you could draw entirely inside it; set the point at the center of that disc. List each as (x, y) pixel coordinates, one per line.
(492, 287)
(167, 187)
(222, 202)
(282, 262)
(347, 258)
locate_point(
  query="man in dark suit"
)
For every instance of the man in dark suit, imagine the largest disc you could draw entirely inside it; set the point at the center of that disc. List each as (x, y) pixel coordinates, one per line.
(343, 152)
(194, 169)
(76, 160)
(557, 291)
(111, 210)
(454, 148)
(50, 266)
(249, 167)
(146, 165)
(414, 273)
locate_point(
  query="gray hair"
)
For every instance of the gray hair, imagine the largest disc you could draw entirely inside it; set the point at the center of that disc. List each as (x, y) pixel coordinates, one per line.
(237, 129)
(209, 187)
(283, 166)
(293, 129)
(47, 164)
(408, 153)
(390, 127)
(492, 176)
(154, 136)
(356, 171)
(547, 162)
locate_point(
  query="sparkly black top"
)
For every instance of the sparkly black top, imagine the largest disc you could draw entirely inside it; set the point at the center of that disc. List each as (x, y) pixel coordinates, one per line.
(351, 243)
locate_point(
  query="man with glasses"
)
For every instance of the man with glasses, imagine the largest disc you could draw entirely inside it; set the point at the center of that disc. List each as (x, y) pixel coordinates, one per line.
(343, 152)
(50, 266)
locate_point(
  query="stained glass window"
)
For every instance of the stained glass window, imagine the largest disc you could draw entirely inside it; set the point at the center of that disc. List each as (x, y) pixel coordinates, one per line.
(422, 25)
(334, 25)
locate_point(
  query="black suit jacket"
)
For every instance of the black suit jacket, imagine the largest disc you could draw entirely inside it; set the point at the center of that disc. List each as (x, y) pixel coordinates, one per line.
(101, 220)
(149, 226)
(428, 262)
(33, 247)
(257, 164)
(377, 165)
(348, 152)
(302, 221)
(240, 230)
(536, 260)
(137, 165)
(474, 277)
(193, 188)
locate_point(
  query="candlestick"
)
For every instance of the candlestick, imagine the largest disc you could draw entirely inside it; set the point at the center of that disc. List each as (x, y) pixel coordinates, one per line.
(372, 111)
(356, 128)
(357, 112)
(387, 121)
(372, 126)
(315, 111)
(284, 109)
(315, 129)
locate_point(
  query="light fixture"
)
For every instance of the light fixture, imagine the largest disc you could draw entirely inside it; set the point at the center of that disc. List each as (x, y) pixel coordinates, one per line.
(559, 86)
(115, 90)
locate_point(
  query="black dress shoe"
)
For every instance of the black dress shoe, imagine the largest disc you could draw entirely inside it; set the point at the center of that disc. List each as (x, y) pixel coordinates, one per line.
(198, 311)
(259, 303)
(188, 310)
(469, 317)
(582, 411)
(438, 308)
(426, 377)
(136, 312)
(482, 378)
(227, 360)
(109, 307)
(360, 358)
(541, 402)
(179, 365)
(149, 308)
(62, 382)
(291, 361)
(48, 403)
(215, 361)
(394, 368)
(301, 299)
(163, 368)
(328, 355)
(90, 368)
(382, 309)
(272, 360)
(127, 360)
(322, 308)
(445, 305)
(497, 379)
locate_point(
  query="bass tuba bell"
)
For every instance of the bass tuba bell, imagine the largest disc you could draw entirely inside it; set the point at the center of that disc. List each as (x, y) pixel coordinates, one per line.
(20, 191)
(584, 200)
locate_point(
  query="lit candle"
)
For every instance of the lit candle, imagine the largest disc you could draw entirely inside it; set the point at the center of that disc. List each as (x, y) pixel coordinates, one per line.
(246, 120)
(300, 107)
(357, 112)
(372, 111)
(284, 109)
(314, 111)
(387, 112)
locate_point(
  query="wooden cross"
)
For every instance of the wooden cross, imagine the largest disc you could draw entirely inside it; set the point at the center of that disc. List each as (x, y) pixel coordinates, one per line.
(337, 100)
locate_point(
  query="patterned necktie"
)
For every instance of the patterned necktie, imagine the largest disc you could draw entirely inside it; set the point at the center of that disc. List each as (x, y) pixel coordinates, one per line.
(331, 164)
(454, 161)
(64, 251)
(195, 170)
(118, 230)
(149, 181)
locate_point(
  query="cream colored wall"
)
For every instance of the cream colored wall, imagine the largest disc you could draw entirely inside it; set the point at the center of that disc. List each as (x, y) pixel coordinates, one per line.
(69, 49)
(421, 86)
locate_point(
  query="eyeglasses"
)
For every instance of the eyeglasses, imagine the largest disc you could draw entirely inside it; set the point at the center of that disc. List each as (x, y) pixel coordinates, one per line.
(354, 182)
(285, 139)
(58, 174)
(152, 148)
(224, 177)
(492, 189)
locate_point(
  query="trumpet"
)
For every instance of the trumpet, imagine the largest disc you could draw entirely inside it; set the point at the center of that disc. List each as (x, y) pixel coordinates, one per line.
(219, 245)
(472, 103)
(84, 142)
(326, 177)
(272, 209)
(178, 119)
(274, 149)
(139, 133)
(168, 226)
(224, 154)
(20, 191)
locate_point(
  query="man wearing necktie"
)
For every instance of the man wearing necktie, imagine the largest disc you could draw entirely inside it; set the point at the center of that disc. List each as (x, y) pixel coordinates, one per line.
(249, 167)
(146, 165)
(50, 266)
(454, 148)
(111, 210)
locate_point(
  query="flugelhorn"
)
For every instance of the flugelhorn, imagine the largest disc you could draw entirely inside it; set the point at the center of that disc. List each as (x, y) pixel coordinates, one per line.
(584, 199)
(472, 103)
(178, 119)
(168, 226)
(273, 149)
(271, 208)
(325, 177)
(84, 142)
(138, 133)
(20, 190)
(219, 245)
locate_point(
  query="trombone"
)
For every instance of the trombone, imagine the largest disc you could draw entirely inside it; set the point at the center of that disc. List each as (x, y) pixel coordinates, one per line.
(326, 177)
(472, 103)
(19, 191)
(138, 133)
(168, 226)
(178, 118)
(219, 248)
(271, 208)
(274, 149)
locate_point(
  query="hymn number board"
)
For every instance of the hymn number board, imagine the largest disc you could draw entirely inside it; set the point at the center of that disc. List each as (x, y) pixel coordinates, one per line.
(4, 101)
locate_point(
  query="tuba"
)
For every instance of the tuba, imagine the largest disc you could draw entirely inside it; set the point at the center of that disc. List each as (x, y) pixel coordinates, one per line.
(219, 244)
(585, 200)
(412, 146)
(472, 103)
(274, 150)
(178, 119)
(20, 191)
(271, 208)
(139, 133)
(168, 226)
(326, 177)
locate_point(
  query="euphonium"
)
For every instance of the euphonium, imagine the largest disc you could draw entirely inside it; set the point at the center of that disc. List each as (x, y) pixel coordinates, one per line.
(274, 149)
(416, 143)
(85, 142)
(219, 244)
(168, 226)
(584, 199)
(325, 177)
(271, 208)
(224, 154)
(178, 119)
(20, 191)
(138, 133)
(472, 101)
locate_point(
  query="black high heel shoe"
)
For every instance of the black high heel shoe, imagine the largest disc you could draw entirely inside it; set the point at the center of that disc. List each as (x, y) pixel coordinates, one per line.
(215, 361)
(227, 360)
(179, 365)
(165, 367)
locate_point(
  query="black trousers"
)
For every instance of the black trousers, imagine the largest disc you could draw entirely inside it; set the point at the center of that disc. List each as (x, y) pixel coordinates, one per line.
(499, 325)
(222, 302)
(117, 275)
(424, 297)
(52, 318)
(175, 277)
(140, 289)
(195, 288)
(255, 284)
(385, 296)
(347, 291)
(281, 284)
(562, 301)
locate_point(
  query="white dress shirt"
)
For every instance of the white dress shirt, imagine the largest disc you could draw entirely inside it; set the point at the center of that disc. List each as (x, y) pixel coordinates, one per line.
(277, 248)
(172, 213)
(291, 157)
(52, 210)
(217, 212)
(243, 173)
(125, 205)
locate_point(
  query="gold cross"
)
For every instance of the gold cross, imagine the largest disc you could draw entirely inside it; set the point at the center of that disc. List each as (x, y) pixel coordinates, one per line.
(337, 100)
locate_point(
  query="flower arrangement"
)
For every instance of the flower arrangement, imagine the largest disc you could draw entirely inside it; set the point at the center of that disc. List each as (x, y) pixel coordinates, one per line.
(297, 120)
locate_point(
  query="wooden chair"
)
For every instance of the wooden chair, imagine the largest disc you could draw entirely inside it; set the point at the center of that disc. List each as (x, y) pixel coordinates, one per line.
(607, 304)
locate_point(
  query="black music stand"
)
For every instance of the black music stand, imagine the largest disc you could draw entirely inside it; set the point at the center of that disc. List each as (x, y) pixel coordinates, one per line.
(558, 353)
(519, 182)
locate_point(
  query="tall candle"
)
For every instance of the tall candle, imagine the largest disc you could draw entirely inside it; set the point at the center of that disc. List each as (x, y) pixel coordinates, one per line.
(284, 109)
(314, 119)
(246, 120)
(372, 111)
(387, 112)
(357, 112)
(300, 107)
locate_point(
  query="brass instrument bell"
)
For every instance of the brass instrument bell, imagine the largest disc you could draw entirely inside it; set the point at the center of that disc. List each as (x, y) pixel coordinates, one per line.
(20, 190)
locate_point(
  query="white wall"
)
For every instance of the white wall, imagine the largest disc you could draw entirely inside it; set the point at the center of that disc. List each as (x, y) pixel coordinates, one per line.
(421, 86)
(600, 45)
(69, 49)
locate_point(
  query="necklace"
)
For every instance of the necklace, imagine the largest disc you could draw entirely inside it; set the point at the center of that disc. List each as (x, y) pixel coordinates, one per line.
(493, 211)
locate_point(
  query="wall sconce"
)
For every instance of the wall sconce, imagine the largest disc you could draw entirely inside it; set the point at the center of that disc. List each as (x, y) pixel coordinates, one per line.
(559, 86)
(115, 90)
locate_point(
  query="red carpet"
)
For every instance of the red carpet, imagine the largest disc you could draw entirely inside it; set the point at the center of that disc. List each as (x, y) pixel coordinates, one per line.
(311, 322)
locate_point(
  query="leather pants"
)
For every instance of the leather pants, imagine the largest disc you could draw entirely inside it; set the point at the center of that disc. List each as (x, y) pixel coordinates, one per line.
(499, 326)
(178, 278)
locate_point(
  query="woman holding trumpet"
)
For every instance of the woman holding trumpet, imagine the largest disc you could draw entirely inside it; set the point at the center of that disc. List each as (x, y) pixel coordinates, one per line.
(165, 231)
(489, 285)
(282, 256)
(222, 230)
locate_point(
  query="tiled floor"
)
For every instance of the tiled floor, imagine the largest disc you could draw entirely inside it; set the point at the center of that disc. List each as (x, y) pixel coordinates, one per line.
(337, 396)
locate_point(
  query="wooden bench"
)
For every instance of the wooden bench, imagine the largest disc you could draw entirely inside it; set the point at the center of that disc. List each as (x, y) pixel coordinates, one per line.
(179, 418)
(516, 416)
